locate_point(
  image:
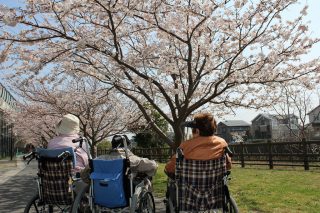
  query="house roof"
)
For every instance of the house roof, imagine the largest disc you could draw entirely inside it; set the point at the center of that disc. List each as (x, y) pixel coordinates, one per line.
(268, 116)
(274, 117)
(235, 123)
(313, 110)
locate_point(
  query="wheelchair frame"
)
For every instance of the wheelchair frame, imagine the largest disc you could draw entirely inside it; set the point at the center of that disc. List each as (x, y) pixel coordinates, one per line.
(229, 204)
(141, 199)
(38, 201)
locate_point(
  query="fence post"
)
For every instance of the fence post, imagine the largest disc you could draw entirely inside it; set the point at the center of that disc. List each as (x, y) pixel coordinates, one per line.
(270, 154)
(242, 154)
(305, 153)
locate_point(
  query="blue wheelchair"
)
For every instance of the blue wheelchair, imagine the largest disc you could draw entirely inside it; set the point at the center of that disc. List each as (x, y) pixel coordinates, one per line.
(114, 188)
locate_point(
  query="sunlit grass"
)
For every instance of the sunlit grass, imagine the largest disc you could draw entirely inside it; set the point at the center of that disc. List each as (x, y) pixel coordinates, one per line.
(264, 190)
(160, 181)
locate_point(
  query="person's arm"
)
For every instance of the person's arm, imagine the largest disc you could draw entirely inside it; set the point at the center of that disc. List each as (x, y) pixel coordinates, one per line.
(143, 165)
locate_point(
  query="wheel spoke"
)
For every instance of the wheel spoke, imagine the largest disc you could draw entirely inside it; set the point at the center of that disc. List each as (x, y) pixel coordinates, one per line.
(35, 206)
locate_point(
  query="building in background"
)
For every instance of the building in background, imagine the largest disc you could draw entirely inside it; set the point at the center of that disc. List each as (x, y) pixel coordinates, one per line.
(275, 127)
(7, 101)
(234, 130)
(314, 120)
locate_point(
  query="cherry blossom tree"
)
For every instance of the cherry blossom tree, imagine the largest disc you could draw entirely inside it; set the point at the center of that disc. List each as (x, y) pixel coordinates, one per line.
(101, 111)
(178, 56)
(32, 124)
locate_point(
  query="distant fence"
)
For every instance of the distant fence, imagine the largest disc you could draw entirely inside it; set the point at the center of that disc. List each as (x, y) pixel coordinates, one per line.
(306, 154)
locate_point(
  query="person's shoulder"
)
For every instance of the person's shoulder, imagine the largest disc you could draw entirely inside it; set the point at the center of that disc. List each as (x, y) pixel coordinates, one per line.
(219, 139)
(193, 142)
(215, 137)
(187, 142)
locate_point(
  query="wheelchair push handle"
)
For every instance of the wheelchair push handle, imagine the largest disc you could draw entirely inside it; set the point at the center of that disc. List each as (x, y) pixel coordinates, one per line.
(25, 157)
(179, 154)
(29, 156)
(80, 140)
(228, 151)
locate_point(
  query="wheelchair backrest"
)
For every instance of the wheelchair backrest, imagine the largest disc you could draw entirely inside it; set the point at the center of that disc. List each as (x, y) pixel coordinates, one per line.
(110, 183)
(56, 175)
(200, 184)
(54, 153)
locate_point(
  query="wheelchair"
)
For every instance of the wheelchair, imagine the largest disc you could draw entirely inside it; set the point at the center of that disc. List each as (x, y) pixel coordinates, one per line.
(114, 188)
(199, 186)
(55, 180)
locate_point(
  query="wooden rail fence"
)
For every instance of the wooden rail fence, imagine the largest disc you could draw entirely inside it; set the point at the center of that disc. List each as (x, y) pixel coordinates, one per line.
(305, 153)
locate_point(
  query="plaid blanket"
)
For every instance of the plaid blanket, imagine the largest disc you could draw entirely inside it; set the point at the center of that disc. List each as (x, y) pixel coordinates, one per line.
(56, 180)
(200, 184)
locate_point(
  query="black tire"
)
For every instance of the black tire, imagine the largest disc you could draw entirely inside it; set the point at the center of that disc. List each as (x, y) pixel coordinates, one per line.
(81, 201)
(232, 206)
(146, 204)
(34, 205)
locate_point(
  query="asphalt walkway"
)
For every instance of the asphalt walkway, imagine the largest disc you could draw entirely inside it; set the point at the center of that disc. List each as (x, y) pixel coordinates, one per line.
(17, 186)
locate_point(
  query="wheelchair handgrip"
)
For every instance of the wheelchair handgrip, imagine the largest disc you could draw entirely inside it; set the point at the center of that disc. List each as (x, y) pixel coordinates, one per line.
(78, 140)
(179, 154)
(228, 151)
(25, 157)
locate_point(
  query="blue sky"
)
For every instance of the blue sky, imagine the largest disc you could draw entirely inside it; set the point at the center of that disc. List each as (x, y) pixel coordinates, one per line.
(314, 27)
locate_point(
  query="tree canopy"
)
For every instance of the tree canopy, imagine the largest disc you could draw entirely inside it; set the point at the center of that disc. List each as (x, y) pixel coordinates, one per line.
(178, 56)
(101, 110)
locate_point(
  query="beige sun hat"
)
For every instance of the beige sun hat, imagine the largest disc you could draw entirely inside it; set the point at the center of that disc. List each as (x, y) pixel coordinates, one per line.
(69, 124)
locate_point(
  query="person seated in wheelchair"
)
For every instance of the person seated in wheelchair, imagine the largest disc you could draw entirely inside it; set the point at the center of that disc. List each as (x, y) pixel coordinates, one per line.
(203, 146)
(121, 174)
(68, 129)
(138, 165)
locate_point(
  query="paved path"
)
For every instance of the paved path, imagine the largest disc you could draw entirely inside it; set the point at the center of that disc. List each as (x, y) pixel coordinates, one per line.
(160, 205)
(17, 185)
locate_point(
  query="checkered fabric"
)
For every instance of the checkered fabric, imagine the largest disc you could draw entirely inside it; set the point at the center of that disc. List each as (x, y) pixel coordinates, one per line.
(55, 175)
(200, 184)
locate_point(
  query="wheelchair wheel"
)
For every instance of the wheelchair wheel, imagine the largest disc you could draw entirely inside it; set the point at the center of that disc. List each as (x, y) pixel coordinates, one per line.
(232, 206)
(169, 206)
(146, 204)
(35, 206)
(81, 203)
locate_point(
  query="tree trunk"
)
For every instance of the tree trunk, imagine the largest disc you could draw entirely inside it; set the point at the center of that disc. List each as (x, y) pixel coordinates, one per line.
(178, 137)
(94, 151)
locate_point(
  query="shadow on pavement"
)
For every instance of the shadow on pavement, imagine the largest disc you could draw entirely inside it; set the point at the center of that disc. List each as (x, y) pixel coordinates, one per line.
(18, 190)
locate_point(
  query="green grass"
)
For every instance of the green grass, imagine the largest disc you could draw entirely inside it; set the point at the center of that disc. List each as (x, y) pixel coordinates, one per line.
(263, 190)
(160, 181)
